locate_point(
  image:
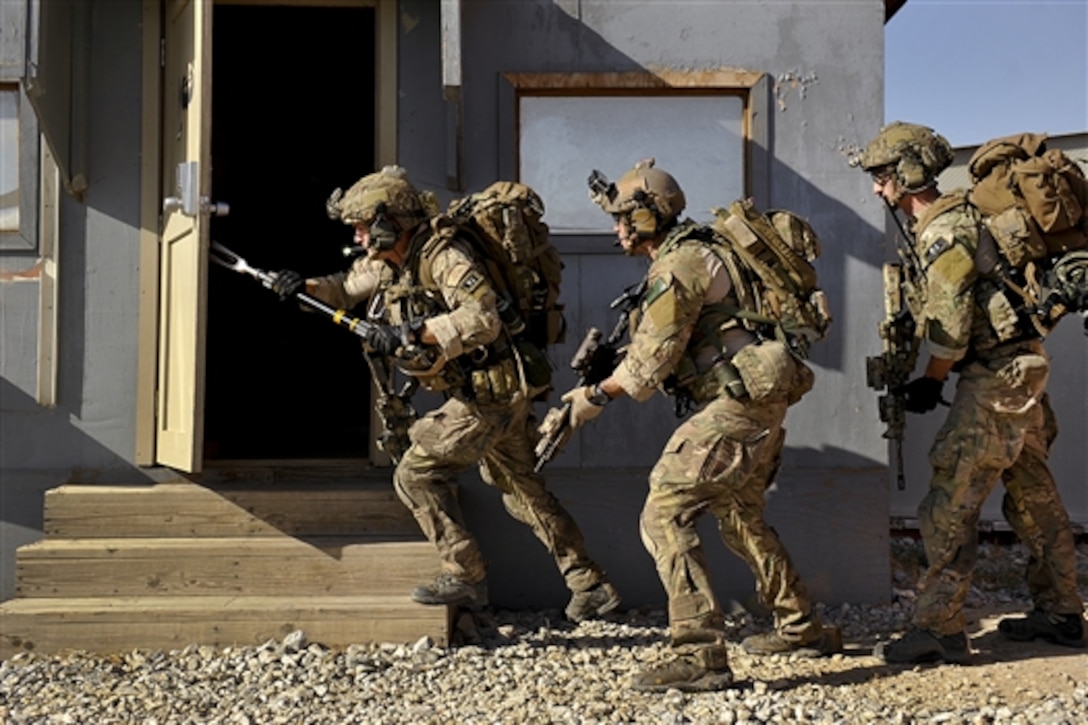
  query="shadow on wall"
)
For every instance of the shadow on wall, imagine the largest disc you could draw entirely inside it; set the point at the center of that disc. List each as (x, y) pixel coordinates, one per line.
(806, 505)
(42, 448)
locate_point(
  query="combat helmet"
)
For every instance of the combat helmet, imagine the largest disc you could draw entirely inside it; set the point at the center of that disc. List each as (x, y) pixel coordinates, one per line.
(649, 197)
(385, 201)
(915, 154)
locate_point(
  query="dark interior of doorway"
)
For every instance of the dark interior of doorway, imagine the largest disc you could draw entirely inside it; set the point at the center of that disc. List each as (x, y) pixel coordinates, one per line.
(292, 119)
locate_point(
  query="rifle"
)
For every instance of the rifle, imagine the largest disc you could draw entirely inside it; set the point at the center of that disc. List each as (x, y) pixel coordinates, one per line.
(394, 408)
(900, 341)
(892, 369)
(593, 361)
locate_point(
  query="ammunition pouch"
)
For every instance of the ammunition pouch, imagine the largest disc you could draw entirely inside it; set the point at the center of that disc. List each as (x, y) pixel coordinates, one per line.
(534, 363)
(1003, 317)
(764, 370)
(770, 371)
(1017, 236)
(497, 383)
(721, 379)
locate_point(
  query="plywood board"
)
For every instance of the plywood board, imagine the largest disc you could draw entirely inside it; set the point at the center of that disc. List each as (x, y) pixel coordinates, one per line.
(125, 624)
(254, 566)
(189, 509)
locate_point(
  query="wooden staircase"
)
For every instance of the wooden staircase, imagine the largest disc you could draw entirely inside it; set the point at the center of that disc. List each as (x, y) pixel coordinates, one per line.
(233, 563)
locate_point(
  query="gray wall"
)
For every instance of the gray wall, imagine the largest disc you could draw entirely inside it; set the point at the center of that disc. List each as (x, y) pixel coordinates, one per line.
(90, 434)
(826, 59)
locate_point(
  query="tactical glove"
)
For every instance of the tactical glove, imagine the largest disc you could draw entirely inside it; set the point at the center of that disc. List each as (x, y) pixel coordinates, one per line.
(287, 282)
(921, 395)
(384, 340)
(586, 403)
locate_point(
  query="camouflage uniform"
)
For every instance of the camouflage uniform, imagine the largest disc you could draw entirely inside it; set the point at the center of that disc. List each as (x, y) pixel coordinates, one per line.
(487, 417)
(1000, 426)
(721, 460)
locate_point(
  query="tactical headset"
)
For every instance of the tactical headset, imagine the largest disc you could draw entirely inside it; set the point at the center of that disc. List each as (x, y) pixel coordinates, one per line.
(383, 232)
(645, 218)
(917, 154)
(912, 171)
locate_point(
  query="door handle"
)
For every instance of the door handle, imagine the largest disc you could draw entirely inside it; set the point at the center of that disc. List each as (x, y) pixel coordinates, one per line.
(186, 189)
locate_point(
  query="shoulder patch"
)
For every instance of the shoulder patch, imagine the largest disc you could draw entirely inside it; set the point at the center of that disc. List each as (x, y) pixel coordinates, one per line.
(952, 266)
(661, 310)
(654, 291)
(457, 274)
(937, 249)
(471, 281)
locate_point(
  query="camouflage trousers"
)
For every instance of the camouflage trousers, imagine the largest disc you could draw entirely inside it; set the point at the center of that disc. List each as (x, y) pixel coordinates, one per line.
(1000, 427)
(501, 439)
(721, 461)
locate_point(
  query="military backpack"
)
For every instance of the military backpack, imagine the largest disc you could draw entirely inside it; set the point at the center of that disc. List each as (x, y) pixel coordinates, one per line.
(1034, 203)
(505, 220)
(775, 280)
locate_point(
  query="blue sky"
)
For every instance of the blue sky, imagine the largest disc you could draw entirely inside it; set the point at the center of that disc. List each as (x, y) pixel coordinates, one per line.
(975, 69)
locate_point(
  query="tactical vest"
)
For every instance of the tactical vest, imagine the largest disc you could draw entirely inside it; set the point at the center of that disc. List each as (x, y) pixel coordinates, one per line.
(760, 370)
(687, 383)
(999, 315)
(489, 374)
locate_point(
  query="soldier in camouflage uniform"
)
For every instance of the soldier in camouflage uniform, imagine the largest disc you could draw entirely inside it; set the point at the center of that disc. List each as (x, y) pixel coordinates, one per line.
(424, 283)
(1000, 425)
(720, 461)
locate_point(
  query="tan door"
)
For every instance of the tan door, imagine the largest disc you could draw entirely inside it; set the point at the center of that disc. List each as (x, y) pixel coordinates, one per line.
(186, 167)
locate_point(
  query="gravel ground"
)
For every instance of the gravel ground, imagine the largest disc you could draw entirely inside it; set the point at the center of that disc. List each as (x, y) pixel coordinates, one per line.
(533, 667)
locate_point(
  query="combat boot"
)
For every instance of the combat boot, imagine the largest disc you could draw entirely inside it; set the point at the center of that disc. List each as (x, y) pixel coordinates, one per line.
(772, 643)
(702, 671)
(921, 645)
(1063, 629)
(596, 601)
(448, 589)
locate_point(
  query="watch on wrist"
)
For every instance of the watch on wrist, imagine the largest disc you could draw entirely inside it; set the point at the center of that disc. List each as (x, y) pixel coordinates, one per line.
(597, 396)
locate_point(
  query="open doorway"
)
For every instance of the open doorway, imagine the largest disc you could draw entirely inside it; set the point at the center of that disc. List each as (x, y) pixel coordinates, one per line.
(293, 112)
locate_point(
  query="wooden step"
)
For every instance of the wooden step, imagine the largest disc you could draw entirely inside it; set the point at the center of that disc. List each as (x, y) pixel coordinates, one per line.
(258, 566)
(336, 508)
(106, 625)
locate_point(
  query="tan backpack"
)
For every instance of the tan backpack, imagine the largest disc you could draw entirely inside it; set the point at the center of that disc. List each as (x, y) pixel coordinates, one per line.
(777, 284)
(1034, 200)
(506, 219)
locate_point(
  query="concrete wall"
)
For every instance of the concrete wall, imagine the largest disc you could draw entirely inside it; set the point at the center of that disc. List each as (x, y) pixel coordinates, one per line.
(825, 60)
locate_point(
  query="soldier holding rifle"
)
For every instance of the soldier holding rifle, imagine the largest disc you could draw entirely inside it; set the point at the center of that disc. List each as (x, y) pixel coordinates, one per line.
(1000, 425)
(719, 461)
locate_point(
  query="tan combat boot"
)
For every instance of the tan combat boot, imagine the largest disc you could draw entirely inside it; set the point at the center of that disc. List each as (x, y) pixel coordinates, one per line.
(772, 643)
(704, 670)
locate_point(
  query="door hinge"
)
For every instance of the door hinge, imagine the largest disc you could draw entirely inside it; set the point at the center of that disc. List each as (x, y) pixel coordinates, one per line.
(162, 52)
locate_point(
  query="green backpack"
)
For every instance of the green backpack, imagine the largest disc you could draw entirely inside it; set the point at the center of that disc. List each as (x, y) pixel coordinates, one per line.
(506, 220)
(775, 279)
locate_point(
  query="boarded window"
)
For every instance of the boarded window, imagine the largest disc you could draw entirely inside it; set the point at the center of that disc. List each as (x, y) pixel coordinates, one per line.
(697, 137)
(9, 158)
